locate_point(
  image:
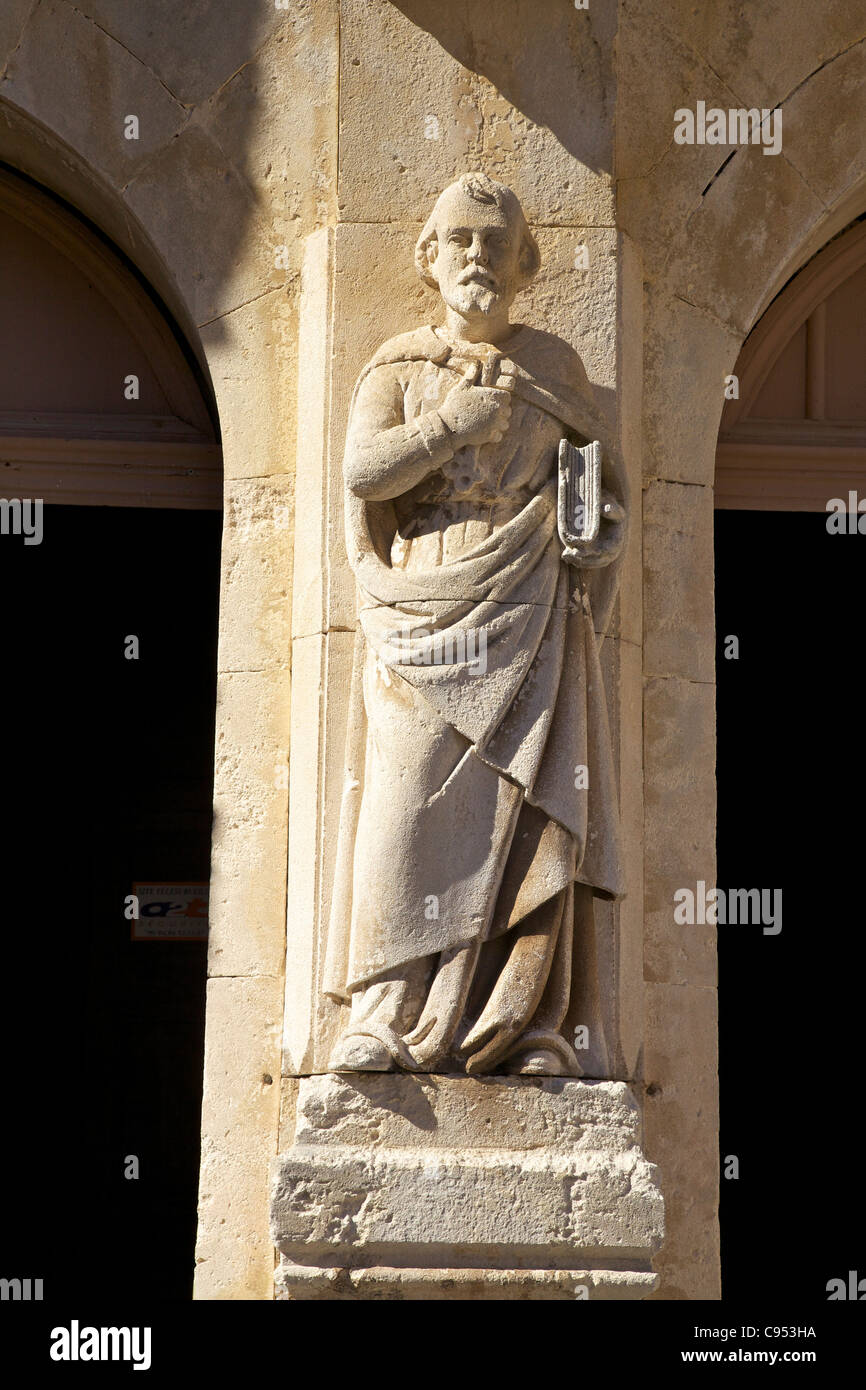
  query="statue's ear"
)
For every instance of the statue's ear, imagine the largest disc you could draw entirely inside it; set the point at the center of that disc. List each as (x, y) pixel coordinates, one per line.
(426, 250)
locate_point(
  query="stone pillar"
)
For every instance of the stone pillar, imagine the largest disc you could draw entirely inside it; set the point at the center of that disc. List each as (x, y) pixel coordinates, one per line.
(413, 1186)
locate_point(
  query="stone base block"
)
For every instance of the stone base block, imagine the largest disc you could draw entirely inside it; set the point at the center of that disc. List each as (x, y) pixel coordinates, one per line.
(420, 1187)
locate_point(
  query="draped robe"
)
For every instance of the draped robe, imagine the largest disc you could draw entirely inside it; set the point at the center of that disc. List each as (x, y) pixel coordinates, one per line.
(477, 699)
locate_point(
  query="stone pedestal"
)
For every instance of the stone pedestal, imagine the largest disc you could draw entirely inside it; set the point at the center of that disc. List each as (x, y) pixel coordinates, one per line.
(404, 1187)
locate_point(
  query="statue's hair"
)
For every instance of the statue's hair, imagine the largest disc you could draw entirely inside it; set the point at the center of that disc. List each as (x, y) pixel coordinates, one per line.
(481, 189)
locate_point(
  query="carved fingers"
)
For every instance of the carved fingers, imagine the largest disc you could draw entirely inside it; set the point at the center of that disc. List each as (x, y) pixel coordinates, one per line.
(611, 510)
(476, 414)
(611, 537)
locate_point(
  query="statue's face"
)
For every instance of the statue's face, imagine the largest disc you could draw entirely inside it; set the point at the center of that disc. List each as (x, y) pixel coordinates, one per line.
(477, 258)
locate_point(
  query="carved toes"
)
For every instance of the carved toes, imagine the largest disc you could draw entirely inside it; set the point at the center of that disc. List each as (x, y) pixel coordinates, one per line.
(357, 1053)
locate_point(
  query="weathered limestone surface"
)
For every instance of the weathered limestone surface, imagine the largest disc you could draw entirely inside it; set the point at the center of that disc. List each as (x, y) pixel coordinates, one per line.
(240, 1110)
(678, 581)
(250, 777)
(510, 1187)
(679, 744)
(677, 336)
(540, 122)
(681, 1128)
(67, 95)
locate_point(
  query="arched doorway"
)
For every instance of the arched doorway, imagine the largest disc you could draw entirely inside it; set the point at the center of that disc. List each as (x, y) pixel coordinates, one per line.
(789, 692)
(110, 495)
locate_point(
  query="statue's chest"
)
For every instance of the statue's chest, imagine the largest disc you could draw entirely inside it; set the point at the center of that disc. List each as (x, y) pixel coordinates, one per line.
(523, 459)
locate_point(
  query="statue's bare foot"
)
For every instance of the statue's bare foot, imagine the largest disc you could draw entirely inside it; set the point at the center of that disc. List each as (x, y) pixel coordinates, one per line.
(356, 1052)
(535, 1061)
(541, 1052)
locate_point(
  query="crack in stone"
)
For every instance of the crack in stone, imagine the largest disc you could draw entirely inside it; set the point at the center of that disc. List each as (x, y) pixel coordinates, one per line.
(134, 56)
(155, 154)
(724, 164)
(722, 323)
(821, 67)
(30, 14)
(805, 182)
(274, 289)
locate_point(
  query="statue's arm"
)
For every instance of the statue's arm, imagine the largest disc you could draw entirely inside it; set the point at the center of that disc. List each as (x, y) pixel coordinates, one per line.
(386, 456)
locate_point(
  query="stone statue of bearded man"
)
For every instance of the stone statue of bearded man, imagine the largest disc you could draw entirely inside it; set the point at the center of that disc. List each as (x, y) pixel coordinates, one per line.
(479, 800)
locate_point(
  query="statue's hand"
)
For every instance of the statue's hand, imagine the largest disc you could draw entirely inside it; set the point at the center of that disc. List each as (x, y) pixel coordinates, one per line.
(475, 414)
(611, 536)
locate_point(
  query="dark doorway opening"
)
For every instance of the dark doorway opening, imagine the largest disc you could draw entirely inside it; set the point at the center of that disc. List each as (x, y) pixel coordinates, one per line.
(789, 766)
(108, 781)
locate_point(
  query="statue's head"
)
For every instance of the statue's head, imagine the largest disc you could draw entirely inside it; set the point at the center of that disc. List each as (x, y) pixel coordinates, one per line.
(477, 248)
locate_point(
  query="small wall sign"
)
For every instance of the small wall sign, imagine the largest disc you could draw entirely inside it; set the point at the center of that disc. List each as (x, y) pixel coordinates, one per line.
(170, 912)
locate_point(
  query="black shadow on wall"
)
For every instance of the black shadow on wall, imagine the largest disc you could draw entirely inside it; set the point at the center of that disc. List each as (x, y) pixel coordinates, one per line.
(107, 779)
(790, 766)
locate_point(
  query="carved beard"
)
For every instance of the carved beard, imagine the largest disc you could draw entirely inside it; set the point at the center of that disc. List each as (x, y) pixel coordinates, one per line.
(478, 299)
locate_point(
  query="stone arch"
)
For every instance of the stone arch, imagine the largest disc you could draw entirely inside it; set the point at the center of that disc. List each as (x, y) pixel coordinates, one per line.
(78, 325)
(39, 153)
(175, 198)
(798, 419)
